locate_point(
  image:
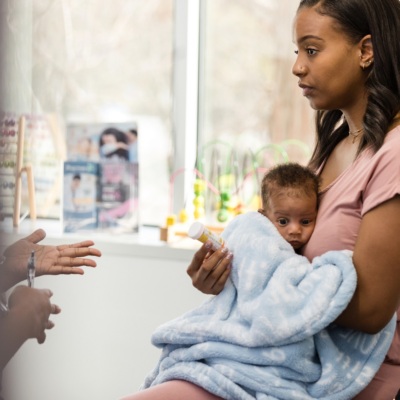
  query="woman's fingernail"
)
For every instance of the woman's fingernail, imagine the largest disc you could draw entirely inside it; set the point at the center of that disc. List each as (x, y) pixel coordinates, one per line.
(208, 245)
(224, 250)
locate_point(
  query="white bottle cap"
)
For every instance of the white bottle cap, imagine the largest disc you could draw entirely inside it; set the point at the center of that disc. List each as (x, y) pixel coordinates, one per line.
(196, 230)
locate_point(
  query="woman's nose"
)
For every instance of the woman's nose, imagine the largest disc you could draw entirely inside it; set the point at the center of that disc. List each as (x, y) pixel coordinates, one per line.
(298, 69)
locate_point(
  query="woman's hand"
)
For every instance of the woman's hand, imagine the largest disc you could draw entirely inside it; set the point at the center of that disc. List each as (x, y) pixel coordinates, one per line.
(208, 270)
(50, 260)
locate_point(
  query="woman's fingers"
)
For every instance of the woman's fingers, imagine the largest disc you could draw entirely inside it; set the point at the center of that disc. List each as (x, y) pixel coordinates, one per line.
(198, 259)
(209, 274)
(217, 270)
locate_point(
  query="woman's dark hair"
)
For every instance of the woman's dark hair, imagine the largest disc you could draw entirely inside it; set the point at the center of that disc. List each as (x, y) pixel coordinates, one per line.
(357, 18)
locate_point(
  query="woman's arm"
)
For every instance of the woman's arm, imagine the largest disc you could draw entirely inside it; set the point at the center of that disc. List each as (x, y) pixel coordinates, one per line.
(377, 261)
(208, 270)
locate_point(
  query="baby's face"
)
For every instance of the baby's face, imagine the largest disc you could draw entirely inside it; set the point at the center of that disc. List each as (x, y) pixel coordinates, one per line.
(293, 214)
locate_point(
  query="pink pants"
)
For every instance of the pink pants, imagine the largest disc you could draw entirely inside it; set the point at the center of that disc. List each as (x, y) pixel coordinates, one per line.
(173, 390)
(384, 386)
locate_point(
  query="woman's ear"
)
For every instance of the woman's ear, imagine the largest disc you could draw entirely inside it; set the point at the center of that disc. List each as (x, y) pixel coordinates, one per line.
(367, 52)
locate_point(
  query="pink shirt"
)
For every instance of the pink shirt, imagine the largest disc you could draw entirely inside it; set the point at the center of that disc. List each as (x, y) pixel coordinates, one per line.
(368, 182)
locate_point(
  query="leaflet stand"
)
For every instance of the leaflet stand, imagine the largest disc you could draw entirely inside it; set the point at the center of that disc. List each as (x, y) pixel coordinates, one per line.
(19, 169)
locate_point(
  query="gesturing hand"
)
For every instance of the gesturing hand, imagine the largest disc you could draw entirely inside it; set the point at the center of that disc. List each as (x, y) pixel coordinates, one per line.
(50, 260)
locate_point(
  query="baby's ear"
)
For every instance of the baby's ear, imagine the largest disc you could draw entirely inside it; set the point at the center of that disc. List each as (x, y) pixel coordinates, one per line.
(261, 211)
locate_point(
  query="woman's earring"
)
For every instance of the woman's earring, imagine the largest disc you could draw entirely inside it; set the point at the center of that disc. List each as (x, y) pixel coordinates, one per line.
(366, 64)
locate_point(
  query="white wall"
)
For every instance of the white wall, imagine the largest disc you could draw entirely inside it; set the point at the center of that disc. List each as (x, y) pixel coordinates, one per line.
(100, 347)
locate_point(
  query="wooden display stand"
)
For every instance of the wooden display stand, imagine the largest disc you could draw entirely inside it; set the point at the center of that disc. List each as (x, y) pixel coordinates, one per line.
(19, 169)
(12, 168)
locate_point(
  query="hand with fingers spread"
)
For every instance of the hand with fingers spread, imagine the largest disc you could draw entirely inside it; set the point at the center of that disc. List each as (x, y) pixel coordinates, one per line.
(209, 270)
(50, 260)
(28, 317)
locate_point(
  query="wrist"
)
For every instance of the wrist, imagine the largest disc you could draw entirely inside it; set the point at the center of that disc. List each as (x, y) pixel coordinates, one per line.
(3, 274)
(3, 305)
(8, 276)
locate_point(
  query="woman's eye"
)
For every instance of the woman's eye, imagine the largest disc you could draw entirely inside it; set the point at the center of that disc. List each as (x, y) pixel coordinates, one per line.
(311, 52)
(296, 52)
(282, 221)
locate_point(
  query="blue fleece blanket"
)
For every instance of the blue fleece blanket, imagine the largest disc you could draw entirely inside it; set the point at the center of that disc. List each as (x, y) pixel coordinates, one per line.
(270, 333)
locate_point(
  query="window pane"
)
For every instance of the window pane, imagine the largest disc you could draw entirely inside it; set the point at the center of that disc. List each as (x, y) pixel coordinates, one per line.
(250, 98)
(252, 113)
(102, 61)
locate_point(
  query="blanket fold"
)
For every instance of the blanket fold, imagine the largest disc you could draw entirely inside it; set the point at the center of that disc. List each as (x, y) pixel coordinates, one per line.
(270, 333)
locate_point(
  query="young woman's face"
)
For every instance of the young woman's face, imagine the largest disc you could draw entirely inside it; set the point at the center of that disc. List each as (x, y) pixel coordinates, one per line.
(328, 65)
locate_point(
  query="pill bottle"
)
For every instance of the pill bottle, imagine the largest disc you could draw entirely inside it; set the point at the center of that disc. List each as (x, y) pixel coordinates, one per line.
(199, 232)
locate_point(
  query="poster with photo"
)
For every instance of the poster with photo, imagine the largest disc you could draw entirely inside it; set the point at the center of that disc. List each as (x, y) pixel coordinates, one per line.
(102, 141)
(80, 195)
(114, 146)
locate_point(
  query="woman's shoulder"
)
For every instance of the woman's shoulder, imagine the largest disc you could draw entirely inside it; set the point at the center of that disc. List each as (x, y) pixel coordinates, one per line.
(390, 147)
(382, 172)
(393, 136)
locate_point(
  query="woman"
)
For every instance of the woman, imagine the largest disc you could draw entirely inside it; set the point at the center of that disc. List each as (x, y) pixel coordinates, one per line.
(347, 65)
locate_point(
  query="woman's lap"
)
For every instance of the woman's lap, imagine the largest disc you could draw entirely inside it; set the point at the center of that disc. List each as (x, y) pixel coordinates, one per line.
(384, 386)
(378, 389)
(173, 390)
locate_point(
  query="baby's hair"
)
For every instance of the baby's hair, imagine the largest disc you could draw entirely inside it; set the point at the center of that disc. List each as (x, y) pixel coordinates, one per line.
(289, 176)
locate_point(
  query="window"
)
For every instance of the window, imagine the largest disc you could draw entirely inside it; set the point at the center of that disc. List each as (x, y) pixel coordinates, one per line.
(96, 62)
(186, 72)
(252, 113)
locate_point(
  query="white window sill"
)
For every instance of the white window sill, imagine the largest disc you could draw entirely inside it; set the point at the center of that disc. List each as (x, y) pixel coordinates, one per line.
(145, 243)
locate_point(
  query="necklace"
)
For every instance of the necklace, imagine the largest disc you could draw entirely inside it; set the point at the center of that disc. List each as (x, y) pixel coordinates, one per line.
(355, 134)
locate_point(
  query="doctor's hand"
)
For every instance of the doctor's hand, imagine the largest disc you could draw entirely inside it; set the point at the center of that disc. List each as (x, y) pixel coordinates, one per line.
(50, 260)
(30, 309)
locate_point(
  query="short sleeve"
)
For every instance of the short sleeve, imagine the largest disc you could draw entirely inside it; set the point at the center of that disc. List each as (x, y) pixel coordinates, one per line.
(384, 182)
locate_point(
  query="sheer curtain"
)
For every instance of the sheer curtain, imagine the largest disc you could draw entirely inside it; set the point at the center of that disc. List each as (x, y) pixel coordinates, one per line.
(96, 61)
(251, 97)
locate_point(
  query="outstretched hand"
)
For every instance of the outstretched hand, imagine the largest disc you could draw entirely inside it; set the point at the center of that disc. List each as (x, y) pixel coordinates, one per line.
(50, 260)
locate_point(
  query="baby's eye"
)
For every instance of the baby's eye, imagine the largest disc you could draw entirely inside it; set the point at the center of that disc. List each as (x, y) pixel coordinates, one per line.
(282, 221)
(306, 222)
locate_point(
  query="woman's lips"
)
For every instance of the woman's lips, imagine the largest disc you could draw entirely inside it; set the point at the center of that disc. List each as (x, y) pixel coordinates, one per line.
(307, 90)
